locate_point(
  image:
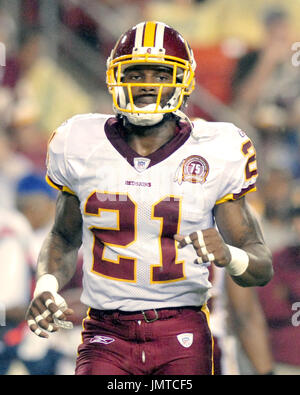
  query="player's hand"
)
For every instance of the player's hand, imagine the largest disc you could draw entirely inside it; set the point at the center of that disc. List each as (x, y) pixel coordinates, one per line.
(209, 246)
(46, 313)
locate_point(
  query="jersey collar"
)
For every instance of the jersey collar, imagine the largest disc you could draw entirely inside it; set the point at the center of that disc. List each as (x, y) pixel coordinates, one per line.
(114, 132)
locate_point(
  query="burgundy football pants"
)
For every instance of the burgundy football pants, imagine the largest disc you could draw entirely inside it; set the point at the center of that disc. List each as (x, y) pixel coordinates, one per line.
(176, 342)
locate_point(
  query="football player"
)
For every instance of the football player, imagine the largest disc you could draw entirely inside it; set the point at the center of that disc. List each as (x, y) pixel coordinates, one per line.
(142, 191)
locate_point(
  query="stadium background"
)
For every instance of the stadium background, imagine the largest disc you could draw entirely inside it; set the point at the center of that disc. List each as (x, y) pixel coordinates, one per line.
(55, 67)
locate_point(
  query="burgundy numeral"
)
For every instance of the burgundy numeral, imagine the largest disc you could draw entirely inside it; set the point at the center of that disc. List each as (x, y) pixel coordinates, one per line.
(251, 165)
(121, 236)
(167, 211)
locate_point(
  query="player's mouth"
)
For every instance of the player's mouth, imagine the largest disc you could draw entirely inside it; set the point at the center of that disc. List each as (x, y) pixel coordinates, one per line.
(144, 100)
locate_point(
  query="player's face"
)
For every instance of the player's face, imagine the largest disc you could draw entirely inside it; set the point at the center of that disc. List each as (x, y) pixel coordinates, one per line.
(144, 95)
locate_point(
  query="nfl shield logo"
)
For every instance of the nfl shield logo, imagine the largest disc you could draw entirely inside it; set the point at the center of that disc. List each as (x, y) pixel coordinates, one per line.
(141, 164)
(185, 339)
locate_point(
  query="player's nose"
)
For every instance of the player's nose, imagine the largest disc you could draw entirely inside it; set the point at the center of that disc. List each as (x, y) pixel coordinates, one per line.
(149, 78)
(148, 88)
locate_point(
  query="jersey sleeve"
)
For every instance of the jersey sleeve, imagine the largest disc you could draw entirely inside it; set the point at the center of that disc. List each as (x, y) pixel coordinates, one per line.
(58, 172)
(240, 172)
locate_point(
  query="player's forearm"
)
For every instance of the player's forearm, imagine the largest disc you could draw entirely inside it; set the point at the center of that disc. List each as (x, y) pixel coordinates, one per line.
(58, 257)
(240, 228)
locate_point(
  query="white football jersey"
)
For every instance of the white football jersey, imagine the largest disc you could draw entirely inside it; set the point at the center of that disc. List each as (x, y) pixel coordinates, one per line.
(132, 206)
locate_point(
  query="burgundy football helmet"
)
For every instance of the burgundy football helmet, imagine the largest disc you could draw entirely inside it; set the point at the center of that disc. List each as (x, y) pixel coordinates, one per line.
(150, 43)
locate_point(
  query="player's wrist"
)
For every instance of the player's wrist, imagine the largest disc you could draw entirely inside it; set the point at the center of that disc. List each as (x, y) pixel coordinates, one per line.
(239, 261)
(46, 283)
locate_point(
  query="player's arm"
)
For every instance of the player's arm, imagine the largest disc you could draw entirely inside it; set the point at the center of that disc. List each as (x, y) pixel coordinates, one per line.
(239, 228)
(250, 326)
(56, 266)
(238, 245)
(58, 255)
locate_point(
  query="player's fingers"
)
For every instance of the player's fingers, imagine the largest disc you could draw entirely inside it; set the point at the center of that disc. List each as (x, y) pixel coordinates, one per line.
(68, 311)
(41, 321)
(59, 312)
(215, 244)
(61, 319)
(197, 240)
(46, 306)
(47, 315)
(205, 255)
(193, 239)
(199, 261)
(202, 249)
(185, 240)
(200, 238)
(182, 241)
(55, 310)
(35, 328)
(40, 305)
(211, 257)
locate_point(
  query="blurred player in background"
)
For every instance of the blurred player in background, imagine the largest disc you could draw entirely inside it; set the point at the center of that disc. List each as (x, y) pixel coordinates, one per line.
(57, 355)
(280, 301)
(142, 191)
(239, 327)
(15, 286)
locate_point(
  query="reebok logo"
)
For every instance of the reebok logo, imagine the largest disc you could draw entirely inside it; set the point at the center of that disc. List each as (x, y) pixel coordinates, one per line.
(102, 339)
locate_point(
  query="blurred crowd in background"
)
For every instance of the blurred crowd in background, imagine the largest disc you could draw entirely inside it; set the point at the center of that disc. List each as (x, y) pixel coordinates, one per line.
(55, 56)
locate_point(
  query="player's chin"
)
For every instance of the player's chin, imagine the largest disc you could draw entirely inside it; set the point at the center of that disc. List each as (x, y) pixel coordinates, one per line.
(143, 103)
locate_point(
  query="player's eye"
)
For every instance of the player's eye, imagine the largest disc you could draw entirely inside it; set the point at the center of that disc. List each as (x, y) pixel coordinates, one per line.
(132, 77)
(135, 77)
(164, 77)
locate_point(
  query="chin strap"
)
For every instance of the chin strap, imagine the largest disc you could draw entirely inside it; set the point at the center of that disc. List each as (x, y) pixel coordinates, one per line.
(184, 117)
(139, 119)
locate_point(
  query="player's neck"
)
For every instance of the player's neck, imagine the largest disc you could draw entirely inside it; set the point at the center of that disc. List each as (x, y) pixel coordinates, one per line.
(145, 140)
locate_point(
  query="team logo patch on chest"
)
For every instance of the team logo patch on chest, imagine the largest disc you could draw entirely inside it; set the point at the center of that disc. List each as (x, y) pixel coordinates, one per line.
(185, 339)
(192, 169)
